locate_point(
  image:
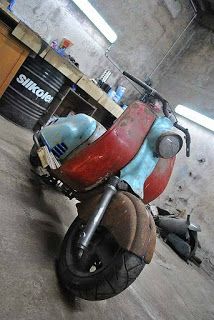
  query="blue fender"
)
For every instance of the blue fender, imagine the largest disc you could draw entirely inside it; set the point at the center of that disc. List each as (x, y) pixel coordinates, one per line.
(138, 170)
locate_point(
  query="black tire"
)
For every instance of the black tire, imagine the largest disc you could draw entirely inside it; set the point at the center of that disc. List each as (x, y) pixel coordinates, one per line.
(33, 158)
(121, 269)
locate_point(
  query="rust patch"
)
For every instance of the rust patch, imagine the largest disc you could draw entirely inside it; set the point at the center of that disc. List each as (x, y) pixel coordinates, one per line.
(128, 221)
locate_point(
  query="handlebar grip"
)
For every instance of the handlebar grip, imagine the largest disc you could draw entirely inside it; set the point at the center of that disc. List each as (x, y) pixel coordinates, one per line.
(145, 86)
(138, 81)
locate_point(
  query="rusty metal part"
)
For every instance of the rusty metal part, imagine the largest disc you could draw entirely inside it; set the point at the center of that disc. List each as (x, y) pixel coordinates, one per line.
(128, 221)
(145, 235)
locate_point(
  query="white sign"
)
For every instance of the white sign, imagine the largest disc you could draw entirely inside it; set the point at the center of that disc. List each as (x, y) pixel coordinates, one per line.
(34, 88)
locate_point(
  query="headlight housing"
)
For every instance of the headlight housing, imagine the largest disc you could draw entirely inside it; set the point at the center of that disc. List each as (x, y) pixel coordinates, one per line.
(168, 145)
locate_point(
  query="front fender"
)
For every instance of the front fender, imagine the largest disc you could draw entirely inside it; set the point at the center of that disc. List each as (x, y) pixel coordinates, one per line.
(156, 183)
(128, 221)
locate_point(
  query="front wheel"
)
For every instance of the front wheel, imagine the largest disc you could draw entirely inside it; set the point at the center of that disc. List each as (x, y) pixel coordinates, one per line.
(102, 272)
(34, 158)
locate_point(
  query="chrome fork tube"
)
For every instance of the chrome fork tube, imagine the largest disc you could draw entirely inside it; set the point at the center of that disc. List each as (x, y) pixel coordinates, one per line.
(95, 219)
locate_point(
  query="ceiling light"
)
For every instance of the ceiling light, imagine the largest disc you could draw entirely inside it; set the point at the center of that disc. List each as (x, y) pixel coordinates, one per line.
(97, 20)
(195, 117)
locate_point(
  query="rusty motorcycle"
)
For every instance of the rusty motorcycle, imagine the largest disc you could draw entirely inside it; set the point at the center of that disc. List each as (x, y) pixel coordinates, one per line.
(112, 173)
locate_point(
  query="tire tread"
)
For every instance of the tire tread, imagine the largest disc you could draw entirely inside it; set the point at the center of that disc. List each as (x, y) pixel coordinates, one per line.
(120, 280)
(115, 278)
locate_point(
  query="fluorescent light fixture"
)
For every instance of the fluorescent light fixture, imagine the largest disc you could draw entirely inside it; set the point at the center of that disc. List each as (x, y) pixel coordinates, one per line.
(96, 19)
(195, 117)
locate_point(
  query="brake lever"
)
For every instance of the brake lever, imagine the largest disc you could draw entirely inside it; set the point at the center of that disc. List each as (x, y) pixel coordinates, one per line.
(187, 137)
(168, 112)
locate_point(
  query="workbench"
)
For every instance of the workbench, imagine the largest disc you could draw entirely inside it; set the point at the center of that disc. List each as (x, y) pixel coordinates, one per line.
(24, 40)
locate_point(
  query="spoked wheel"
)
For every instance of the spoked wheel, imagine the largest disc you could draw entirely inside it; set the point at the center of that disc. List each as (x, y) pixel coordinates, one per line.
(102, 272)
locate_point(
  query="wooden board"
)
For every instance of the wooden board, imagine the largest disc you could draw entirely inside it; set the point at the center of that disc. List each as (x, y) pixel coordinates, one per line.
(30, 39)
(12, 55)
(90, 87)
(110, 106)
(34, 41)
(64, 66)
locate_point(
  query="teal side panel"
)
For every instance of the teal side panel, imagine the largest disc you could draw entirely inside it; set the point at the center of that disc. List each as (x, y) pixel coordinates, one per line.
(69, 131)
(137, 171)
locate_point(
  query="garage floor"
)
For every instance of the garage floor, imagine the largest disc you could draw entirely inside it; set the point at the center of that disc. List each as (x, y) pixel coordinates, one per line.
(33, 221)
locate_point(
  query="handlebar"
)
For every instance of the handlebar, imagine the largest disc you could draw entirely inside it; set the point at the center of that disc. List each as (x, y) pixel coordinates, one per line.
(144, 85)
(167, 111)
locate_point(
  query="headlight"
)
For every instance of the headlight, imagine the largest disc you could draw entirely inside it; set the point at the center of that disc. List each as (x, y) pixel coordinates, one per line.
(168, 145)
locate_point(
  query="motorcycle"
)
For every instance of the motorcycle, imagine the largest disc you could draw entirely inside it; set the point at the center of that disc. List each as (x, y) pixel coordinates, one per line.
(113, 174)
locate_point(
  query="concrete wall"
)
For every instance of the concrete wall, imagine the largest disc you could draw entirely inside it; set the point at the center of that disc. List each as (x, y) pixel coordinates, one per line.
(190, 190)
(190, 81)
(145, 29)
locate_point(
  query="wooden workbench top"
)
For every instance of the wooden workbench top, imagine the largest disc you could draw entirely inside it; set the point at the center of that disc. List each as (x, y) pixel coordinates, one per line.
(32, 40)
(3, 7)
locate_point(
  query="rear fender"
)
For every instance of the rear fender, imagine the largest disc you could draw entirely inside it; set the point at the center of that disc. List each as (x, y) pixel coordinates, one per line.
(128, 221)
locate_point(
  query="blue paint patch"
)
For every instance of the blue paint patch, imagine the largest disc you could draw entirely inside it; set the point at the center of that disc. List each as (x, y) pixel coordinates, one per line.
(138, 170)
(67, 133)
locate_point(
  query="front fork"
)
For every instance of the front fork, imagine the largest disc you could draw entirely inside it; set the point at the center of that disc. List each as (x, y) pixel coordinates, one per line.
(95, 219)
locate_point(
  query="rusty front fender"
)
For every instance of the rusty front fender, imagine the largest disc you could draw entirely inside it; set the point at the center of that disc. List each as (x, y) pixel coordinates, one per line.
(128, 221)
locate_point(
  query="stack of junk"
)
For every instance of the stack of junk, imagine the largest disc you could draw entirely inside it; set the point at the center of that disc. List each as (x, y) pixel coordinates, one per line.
(179, 233)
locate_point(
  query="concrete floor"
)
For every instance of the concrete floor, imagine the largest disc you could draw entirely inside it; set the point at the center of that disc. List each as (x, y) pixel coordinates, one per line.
(33, 221)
